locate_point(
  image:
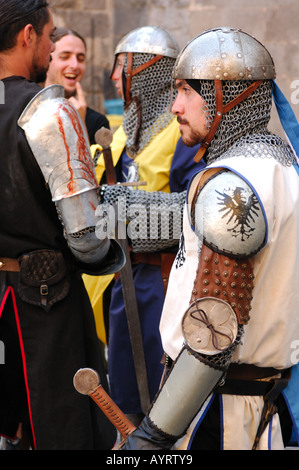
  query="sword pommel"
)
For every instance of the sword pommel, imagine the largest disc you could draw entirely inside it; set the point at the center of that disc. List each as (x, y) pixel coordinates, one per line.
(104, 137)
(86, 381)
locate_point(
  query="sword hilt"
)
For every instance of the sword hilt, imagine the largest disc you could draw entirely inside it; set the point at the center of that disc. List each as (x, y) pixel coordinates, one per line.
(87, 382)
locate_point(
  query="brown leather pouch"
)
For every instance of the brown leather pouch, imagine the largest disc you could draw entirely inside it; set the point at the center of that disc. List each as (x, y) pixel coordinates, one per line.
(44, 278)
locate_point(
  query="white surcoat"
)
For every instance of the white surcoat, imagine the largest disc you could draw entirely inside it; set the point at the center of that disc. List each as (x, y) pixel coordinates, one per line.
(271, 337)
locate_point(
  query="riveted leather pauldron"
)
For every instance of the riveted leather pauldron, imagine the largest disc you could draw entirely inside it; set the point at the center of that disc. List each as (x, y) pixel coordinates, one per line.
(226, 279)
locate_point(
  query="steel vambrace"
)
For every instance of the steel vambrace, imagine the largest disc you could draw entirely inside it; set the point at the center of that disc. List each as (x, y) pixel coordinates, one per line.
(199, 368)
(60, 145)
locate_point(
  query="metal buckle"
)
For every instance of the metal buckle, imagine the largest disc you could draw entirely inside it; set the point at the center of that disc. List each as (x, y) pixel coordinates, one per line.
(44, 289)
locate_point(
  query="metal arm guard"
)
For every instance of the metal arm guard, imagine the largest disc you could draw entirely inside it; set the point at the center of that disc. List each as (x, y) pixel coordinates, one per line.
(211, 333)
(154, 218)
(59, 143)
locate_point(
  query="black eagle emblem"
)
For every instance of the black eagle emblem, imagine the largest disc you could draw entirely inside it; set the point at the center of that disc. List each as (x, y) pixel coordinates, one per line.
(240, 209)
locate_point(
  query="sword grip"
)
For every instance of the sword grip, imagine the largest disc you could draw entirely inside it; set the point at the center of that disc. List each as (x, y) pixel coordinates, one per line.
(112, 411)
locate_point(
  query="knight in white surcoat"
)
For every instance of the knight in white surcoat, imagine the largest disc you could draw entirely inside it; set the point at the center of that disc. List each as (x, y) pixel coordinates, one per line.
(230, 317)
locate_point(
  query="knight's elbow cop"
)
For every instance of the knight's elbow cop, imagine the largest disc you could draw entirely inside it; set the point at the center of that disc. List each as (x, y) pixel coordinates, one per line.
(59, 143)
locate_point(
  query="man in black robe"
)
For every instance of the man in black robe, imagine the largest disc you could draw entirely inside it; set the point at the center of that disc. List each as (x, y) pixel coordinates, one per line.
(44, 347)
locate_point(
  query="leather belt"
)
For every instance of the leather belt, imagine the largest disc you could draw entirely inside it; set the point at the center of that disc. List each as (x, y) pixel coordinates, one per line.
(9, 264)
(250, 372)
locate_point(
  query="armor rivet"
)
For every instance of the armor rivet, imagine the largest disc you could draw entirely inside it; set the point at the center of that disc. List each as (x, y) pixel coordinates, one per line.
(239, 307)
(194, 291)
(235, 275)
(224, 284)
(206, 271)
(206, 282)
(218, 77)
(226, 262)
(216, 272)
(250, 77)
(241, 74)
(206, 259)
(233, 304)
(224, 293)
(239, 55)
(216, 291)
(233, 284)
(243, 285)
(251, 276)
(205, 291)
(217, 282)
(241, 296)
(216, 261)
(244, 266)
(236, 265)
(243, 276)
(233, 295)
(225, 74)
(223, 55)
(225, 273)
(249, 286)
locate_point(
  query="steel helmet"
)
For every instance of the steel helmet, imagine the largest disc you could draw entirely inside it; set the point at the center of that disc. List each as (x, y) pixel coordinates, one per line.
(149, 40)
(224, 54)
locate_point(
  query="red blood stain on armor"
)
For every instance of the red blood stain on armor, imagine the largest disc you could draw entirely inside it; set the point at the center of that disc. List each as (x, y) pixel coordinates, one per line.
(82, 150)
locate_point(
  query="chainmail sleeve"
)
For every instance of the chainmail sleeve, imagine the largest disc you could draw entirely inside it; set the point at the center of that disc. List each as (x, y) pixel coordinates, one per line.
(154, 219)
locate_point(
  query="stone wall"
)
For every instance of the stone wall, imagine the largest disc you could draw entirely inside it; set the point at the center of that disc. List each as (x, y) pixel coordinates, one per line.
(104, 22)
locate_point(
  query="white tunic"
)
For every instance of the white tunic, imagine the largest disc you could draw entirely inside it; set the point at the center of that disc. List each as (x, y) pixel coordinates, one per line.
(273, 330)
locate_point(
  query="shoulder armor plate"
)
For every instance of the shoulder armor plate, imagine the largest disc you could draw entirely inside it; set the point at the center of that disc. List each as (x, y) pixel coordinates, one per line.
(228, 216)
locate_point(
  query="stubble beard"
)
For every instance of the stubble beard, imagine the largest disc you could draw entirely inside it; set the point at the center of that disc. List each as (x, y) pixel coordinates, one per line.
(191, 138)
(38, 73)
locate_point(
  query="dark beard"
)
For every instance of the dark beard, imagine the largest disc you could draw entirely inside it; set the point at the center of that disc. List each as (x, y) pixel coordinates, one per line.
(38, 76)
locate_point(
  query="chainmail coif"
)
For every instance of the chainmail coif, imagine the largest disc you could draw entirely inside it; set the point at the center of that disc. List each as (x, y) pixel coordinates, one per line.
(148, 113)
(244, 128)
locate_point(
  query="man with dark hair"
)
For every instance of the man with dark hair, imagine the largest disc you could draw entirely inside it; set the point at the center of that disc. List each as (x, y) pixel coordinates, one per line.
(46, 321)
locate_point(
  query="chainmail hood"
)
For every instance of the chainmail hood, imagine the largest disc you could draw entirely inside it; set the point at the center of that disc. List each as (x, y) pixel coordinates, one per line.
(245, 125)
(148, 112)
